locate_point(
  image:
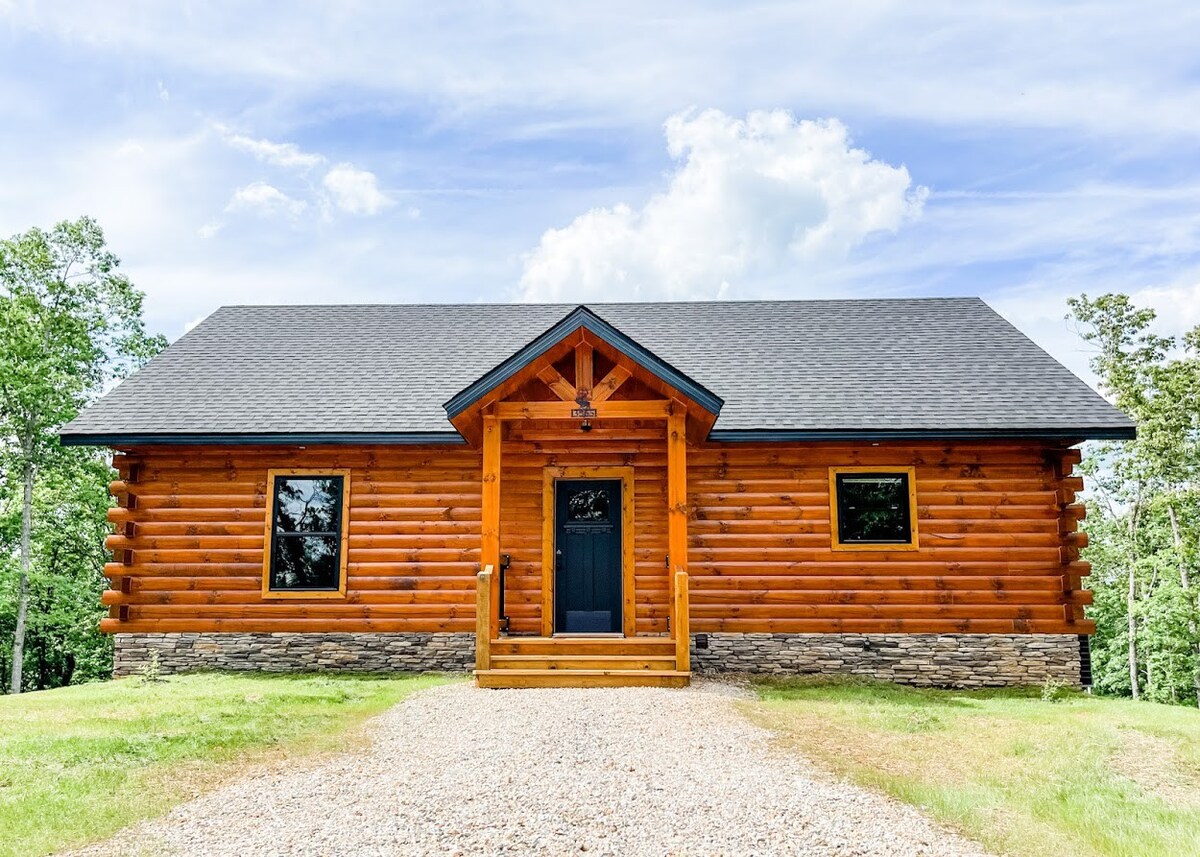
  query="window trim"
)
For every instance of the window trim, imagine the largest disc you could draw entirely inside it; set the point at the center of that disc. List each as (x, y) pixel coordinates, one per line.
(269, 535)
(914, 542)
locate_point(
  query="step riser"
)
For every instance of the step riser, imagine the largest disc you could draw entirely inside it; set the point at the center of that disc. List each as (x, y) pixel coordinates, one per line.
(560, 648)
(567, 679)
(537, 662)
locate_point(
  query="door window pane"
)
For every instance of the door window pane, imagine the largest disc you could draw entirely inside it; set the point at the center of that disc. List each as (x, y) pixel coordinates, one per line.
(588, 505)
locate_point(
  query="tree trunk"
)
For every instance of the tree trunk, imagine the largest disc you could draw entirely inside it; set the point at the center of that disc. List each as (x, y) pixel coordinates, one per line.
(26, 562)
(1130, 605)
(1131, 601)
(1185, 584)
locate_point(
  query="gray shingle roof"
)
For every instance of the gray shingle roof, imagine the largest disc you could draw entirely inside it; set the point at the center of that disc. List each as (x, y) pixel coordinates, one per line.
(929, 364)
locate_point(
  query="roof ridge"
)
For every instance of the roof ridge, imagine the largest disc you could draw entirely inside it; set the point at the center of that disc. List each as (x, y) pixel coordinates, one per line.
(570, 305)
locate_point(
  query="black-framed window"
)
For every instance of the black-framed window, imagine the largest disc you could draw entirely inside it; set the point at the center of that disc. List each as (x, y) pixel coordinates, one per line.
(306, 533)
(874, 508)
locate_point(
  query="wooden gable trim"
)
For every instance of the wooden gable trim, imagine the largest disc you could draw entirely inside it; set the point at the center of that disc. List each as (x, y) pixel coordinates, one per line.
(583, 368)
(581, 319)
(636, 409)
(611, 382)
(559, 385)
(576, 354)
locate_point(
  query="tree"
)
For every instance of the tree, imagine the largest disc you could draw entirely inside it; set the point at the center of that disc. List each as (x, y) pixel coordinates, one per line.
(1143, 540)
(70, 323)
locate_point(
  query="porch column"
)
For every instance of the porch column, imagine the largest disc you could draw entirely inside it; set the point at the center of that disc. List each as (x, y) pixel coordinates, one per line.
(677, 512)
(490, 502)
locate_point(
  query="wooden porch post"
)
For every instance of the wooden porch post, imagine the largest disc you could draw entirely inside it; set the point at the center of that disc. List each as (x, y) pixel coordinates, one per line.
(490, 502)
(677, 513)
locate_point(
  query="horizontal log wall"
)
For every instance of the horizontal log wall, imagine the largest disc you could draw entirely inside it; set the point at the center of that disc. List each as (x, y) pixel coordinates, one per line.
(998, 552)
(188, 552)
(999, 547)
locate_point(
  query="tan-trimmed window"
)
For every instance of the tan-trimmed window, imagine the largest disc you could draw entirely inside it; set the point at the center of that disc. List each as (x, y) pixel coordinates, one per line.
(873, 508)
(306, 529)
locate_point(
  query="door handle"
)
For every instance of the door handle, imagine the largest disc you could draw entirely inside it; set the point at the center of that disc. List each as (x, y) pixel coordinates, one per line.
(558, 560)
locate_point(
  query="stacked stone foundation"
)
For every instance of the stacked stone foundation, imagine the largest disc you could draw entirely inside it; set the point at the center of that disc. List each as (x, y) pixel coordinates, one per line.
(931, 660)
(360, 652)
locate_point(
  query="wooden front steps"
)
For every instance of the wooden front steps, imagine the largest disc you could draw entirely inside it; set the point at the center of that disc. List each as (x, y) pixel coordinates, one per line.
(582, 662)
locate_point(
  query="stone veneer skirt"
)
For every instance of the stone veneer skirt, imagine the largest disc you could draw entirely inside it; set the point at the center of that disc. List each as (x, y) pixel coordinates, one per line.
(359, 652)
(940, 660)
(943, 660)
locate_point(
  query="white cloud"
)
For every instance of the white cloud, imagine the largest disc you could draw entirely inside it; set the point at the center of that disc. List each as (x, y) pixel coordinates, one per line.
(210, 229)
(355, 190)
(278, 154)
(262, 198)
(1177, 305)
(749, 198)
(163, 93)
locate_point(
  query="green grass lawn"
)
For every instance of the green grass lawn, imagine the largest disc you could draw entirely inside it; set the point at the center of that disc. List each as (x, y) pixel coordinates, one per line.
(1025, 776)
(78, 763)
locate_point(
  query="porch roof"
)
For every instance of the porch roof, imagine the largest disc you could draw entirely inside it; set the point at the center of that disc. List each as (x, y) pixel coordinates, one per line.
(867, 369)
(583, 318)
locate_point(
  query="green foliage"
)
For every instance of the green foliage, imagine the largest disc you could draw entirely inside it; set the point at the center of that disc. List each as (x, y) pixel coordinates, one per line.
(1053, 690)
(79, 763)
(70, 324)
(1143, 520)
(63, 644)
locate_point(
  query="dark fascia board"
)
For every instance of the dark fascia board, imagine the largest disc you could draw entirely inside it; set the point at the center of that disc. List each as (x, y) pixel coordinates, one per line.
(583, 317)
(280, 438)
(719, 436)
(1074, 435)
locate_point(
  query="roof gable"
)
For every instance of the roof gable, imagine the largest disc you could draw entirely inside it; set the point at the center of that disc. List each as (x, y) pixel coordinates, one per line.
(582, 318)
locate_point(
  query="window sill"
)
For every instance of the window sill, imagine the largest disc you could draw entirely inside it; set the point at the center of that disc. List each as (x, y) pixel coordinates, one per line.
(909, 546)
(304, 594)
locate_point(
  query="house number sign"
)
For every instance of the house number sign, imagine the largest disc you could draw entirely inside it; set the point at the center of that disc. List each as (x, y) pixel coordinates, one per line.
(585, 409)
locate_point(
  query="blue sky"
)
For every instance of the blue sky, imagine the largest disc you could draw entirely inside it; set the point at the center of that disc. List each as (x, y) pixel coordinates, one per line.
(384, 152)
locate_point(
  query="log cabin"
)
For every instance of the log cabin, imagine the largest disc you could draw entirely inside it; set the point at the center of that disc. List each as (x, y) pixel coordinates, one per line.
(603, 495)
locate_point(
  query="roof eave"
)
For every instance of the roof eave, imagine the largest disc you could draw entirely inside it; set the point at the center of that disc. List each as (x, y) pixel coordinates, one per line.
(1072, 434)
(122, 439)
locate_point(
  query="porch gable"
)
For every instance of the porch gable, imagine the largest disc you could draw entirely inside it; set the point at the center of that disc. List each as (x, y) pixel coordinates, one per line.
(626, 357)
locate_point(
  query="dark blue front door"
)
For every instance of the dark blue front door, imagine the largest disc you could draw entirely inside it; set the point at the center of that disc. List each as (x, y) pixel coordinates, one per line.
(587, 552)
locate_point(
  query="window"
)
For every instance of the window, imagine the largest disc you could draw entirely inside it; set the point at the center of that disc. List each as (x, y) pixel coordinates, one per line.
(306, 534)
(873, 508)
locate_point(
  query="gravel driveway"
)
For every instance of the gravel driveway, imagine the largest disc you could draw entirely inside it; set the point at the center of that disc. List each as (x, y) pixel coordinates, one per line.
(628, 771)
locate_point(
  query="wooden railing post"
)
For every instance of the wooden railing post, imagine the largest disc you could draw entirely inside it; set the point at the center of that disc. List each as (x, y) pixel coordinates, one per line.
(683, 637)
(483, 619)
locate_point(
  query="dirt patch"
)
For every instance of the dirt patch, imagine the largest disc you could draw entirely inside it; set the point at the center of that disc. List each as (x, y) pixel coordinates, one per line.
(1154, 764)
